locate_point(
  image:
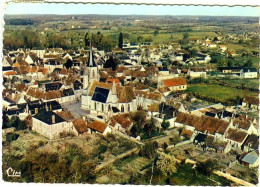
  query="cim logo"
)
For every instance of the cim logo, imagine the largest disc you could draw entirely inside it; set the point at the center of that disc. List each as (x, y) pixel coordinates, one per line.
(12, 173)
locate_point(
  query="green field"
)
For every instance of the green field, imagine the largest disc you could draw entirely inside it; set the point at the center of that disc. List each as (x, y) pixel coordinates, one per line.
(247, 83)
(185, 176)
(219, 93)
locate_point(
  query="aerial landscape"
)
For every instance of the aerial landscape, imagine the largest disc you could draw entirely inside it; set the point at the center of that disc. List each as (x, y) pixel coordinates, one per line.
(127, 97)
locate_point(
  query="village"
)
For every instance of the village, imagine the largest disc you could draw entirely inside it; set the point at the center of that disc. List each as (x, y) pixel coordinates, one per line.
(131, 96)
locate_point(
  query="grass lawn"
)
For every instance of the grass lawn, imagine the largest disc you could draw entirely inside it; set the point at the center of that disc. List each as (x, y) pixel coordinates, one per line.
(248, 83)
(166, 37)
(218, 92)
(185, 176)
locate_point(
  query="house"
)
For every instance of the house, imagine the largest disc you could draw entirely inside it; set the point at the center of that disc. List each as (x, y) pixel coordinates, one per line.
(250, 159)
(223, 48)
(99, 127)
(196, 72)
(243, 72)
(251, 143)
(145, 99)
(38, 51)
(251, 102)
(202, 58)
(236, 137)
(50, 124)
(80, 126)
(204, 124)
(175, 84)
(121, 122)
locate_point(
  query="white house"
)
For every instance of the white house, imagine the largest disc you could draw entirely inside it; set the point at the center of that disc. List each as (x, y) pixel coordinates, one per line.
(50, 124)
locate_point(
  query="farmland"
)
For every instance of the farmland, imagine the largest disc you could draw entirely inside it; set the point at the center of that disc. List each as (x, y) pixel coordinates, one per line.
(219, 93)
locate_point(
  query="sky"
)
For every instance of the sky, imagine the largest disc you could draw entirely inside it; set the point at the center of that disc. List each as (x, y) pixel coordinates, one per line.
(66, 9)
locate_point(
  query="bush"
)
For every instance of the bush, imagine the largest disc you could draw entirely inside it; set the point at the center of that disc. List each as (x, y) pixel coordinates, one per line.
(165, 124)
(11, 136)
(102, 149)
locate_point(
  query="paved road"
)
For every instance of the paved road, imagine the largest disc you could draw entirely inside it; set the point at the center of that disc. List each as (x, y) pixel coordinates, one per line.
(75, 108)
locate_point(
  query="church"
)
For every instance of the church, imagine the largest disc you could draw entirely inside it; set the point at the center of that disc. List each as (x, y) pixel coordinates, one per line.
(104, 99)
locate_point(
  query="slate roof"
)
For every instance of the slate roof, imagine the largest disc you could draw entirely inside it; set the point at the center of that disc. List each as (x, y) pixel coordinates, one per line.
(53, 86)
(167, 110)
(100, 94)
(250, 157)
(252, 141)
(200, 137)
(115, 109)
(163, 68)
(67, 92)
(77, 85)
(46, 117)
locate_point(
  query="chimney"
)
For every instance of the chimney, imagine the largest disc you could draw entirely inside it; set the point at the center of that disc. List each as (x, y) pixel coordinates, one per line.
(53, 119)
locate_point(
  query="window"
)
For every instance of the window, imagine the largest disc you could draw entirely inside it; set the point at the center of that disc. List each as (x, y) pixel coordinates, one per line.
(122, 108)
(93, 73)
(128, 107)
(95, 104)
(102, 107)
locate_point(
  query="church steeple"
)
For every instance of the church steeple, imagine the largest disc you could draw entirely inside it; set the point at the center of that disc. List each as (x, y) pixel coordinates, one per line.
(91, 62)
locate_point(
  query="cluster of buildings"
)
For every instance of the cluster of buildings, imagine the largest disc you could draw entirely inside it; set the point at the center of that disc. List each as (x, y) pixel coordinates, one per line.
(38, 83)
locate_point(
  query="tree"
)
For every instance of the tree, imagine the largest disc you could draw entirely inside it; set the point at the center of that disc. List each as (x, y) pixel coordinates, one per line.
(206, 168)
(156, 32)
(68, 64)
(249, 63)
(165, 125)
(139, 118)
(185, 35)
(149, 149)
(111, 63)
(150, 127)
(120, 40)
(166, 164)
(87, 40)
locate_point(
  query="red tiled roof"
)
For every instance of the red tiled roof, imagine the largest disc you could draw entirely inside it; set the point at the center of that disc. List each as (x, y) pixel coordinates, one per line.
(123, 119)
(111, 80)
(80, 125)
(203, 123)
(97, 126)
(186, 132)
(236, 135)
(9, 73)
(174, 82)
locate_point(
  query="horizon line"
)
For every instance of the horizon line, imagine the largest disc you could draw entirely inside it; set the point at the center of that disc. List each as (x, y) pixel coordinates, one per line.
(135, 15)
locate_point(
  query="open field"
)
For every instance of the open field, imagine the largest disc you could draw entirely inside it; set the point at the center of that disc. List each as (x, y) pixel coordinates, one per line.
(218, 93)
(185, 176)
(247, 83)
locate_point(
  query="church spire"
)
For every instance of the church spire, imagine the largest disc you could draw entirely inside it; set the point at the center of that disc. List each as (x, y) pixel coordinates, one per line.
(91, 62)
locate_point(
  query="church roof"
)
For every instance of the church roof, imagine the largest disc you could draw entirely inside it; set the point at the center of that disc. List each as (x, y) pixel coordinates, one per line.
(100, 94)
